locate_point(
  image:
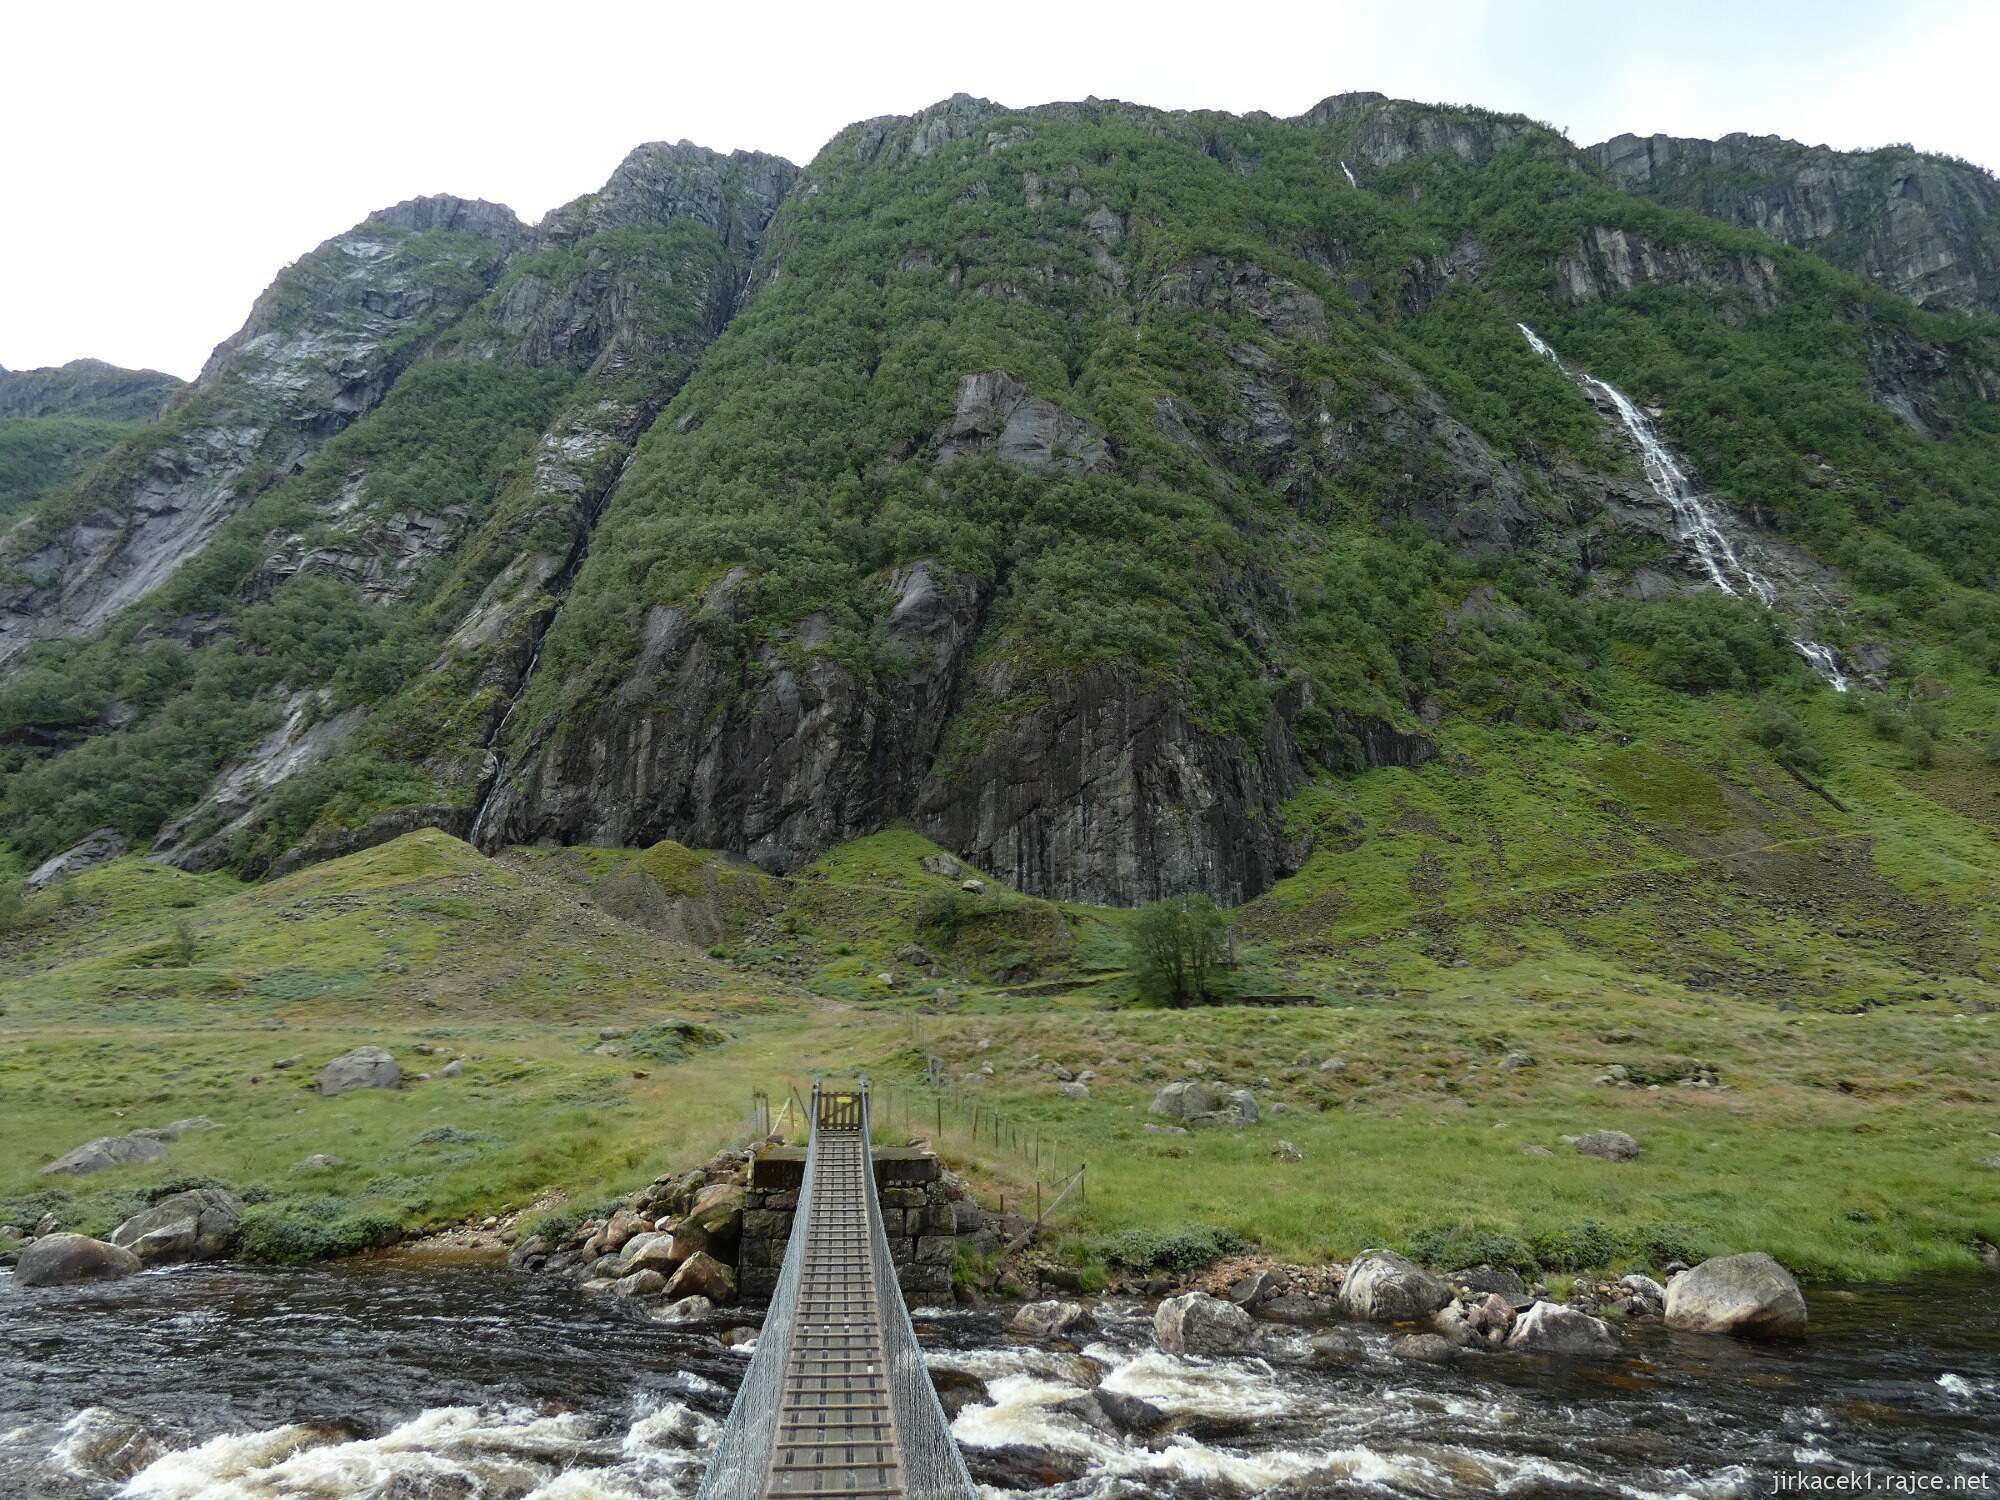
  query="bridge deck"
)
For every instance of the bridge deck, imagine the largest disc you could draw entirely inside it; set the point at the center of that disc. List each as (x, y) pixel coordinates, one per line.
(836, 1431)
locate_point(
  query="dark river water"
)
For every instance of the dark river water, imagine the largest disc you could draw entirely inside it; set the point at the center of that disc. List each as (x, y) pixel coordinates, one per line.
(394, 1381)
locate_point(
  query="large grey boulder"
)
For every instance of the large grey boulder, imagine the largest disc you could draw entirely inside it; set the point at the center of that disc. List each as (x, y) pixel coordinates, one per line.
(106, 1151)
(1748, 1294)
(1612, 1145)
(65, 1259)
(1384, 1288)
(1178, 1101)
(1551, 1328)
(1050, 1320)
(363, 1068)
(198, 1225)
(1197, 1323)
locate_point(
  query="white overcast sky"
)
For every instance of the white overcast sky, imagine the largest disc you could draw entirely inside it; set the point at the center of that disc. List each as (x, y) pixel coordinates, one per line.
(162, 162)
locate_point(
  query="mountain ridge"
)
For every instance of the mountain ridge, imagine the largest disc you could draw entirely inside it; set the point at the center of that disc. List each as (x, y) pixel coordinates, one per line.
(1280, 353)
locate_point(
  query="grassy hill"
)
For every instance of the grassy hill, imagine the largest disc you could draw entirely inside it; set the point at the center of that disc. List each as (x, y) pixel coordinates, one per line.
(1681, 908)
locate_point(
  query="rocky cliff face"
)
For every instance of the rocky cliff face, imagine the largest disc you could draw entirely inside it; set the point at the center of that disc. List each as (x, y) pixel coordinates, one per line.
(1078, 484)
(321, 348)
(1926, 227)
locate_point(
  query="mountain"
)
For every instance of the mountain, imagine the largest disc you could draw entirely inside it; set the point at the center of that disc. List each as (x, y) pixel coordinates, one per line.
(55, 422)
(1927, 227)
(1096, 488)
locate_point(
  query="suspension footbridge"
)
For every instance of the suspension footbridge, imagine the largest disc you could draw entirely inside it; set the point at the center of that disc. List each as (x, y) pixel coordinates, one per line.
(837, 1400)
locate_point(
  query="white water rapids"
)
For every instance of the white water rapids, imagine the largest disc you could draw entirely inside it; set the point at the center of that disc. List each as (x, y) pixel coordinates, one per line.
(1699, 524)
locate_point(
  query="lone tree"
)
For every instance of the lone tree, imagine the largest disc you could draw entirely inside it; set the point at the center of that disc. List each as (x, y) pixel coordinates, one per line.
(1178, 948)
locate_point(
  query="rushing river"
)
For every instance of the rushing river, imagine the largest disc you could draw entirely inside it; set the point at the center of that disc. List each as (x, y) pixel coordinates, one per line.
(396, 1381)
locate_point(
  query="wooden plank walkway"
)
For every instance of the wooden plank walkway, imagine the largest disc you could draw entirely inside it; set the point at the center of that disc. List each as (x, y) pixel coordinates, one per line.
(836, 1425)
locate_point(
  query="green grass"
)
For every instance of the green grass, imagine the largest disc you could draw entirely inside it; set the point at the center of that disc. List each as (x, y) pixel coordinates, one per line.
(1670, 902)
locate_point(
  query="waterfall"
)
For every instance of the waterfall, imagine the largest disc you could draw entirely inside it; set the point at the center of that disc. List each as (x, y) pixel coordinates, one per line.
(1698, 523)
(1353, 184)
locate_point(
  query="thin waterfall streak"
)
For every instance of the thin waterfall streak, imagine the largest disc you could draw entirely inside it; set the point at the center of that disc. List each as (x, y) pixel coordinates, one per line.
(1695, 521)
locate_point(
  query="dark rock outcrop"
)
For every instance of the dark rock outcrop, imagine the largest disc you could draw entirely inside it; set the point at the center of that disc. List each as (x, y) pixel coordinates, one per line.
(1925, 226)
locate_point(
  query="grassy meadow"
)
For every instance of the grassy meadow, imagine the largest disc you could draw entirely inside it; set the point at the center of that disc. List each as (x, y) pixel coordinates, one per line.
(1667, 900)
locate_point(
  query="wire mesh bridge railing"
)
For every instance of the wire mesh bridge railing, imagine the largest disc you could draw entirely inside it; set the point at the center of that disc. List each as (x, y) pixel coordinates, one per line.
(837, 1400)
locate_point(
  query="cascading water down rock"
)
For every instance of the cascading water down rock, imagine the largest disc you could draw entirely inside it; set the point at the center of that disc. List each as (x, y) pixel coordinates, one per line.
(1698, 522)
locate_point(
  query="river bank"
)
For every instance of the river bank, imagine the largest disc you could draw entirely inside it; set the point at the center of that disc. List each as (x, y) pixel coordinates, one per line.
(391, 1377)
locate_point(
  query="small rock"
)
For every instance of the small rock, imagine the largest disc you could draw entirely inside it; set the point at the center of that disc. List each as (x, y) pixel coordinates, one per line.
(973, 887)
(1611, 1145)
(736, 1338)
(1077, 1091)
(640, 1284)
(1536, 1151)
(319, 1161)
(286, 1062)
(1514, 1062)
(453, 1068)
(1286, 1151)
(1645, 1286)
(688, 1309)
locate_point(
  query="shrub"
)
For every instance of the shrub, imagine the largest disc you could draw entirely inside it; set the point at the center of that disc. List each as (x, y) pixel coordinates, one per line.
(1657, 1244)
(672, 1041)
(945, 914)
(1449, 1248)
(311, 1229)
(1779, 731)
(1177, 950)
(1188, 1248)
(1582, 1246)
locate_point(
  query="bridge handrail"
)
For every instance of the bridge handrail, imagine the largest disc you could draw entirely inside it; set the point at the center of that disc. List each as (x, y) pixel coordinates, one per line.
(741, 1463)
(933, 1467)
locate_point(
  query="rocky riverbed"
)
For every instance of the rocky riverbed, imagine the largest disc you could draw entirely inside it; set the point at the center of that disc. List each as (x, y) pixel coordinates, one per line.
(396, 1379)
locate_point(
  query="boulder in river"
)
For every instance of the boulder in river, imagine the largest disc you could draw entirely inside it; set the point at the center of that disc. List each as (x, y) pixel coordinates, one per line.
(958, 1389)
(1488, 1280)
(1383, 1287)
(702, 1275)
(1612, 1145)
(1425, 1348)
(65, 1259)
(1552, 1328)
(1049, 1320)
(1337, 1348)
(1197, 1323)
(1748, 1294)
(689, 1309)
(1017, 1466)
(201, 1224)
(363, 1068)
(106, 1151)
